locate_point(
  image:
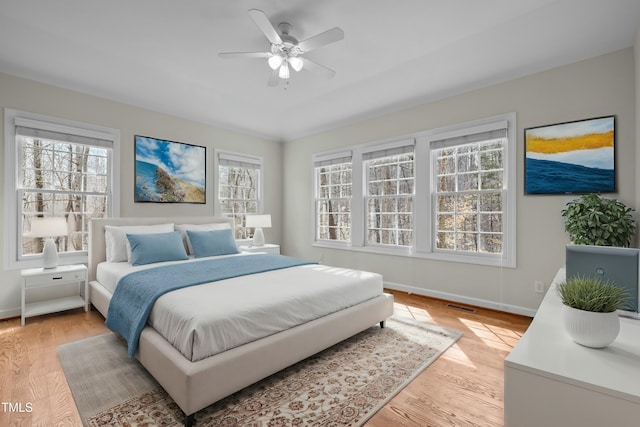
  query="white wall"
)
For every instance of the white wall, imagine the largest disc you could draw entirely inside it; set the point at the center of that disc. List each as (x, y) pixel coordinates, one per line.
(596, 87)
(27, 95)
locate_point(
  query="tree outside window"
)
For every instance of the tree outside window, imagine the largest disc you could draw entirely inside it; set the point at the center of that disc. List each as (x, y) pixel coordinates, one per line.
(61, 179)
(468, 197)
(390, 189)
(333, 202)
(239, 190)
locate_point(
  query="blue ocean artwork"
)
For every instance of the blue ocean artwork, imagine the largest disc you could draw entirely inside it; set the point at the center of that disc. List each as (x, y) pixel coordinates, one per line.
(146, 189)
(549, 177)
(572, 157)
(170, 172)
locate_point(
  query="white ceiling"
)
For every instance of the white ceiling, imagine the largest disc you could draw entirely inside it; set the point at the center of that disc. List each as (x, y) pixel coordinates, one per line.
(162, 54)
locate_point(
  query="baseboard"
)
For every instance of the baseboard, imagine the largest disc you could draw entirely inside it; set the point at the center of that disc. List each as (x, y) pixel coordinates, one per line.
(523, 311)
(9, 313)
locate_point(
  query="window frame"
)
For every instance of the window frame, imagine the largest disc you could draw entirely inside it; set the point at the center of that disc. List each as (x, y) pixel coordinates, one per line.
(240, 158)
(13, 210)
(330, 159)
(507, 258)
(385, 151)
(423, 209)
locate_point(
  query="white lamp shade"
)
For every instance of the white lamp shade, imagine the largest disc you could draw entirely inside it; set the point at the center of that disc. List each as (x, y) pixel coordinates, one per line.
(275, 61)
(48, 227)
(296, 63)
(284, 71)
(261, 221)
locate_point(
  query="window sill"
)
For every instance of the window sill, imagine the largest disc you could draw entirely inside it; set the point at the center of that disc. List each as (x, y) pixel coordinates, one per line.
(410, 253)
(35, 261)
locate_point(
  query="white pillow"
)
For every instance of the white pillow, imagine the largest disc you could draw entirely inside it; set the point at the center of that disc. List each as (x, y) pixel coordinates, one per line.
(117, 245)
(182, 228)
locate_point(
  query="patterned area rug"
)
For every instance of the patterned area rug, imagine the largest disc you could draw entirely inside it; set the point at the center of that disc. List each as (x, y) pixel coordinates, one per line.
(341, 386)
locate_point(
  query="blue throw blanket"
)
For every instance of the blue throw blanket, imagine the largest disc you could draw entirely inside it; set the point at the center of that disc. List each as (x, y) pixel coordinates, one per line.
(136, 292)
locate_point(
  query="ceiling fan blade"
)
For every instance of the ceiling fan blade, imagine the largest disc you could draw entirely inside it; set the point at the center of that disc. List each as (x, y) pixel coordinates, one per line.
(318, 69)
(330, 36)
(274, 79)
(245, 54)
(265, 25)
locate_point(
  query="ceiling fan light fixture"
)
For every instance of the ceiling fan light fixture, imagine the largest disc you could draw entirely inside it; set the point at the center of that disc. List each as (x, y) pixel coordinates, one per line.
(284, 71)
(286, 52)
(275, 61)
(296, 63)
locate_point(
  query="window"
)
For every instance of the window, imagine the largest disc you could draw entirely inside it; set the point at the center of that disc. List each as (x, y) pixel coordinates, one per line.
(468, 197)
(389, 196)
(333, 182)
(470, 192)
(446, 194)
(239, 191)
(57, 170)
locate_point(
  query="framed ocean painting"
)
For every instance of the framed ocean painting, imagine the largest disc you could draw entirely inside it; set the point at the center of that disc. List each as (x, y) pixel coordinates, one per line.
(571, 157)
(169, 171)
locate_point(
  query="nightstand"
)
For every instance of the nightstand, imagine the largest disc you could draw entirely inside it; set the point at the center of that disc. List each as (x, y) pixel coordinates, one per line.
(268, 248)
(38, 278)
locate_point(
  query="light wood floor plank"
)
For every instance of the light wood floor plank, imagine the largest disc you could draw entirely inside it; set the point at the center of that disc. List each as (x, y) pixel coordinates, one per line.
(464, 387)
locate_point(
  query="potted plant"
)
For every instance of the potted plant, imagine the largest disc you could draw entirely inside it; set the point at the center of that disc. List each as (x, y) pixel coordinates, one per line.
(589, 310)
(593, 220)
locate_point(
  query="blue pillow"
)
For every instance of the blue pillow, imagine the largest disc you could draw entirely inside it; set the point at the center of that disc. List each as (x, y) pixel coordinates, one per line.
(150, 248)
(212, 242)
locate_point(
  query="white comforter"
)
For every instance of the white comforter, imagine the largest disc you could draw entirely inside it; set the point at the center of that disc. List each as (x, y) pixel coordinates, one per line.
(204, 320)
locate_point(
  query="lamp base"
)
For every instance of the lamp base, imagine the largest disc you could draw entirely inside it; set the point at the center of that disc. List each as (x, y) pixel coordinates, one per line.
(49, 254)
(258, 237)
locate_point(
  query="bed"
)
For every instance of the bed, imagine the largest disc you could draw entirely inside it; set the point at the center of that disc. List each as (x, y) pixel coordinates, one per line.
(195, 382)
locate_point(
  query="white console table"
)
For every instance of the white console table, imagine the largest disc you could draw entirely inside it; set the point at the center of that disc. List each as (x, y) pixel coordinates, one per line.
(549, 380)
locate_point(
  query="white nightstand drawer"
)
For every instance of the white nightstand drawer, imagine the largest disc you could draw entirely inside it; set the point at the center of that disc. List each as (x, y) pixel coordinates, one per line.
(54, 277)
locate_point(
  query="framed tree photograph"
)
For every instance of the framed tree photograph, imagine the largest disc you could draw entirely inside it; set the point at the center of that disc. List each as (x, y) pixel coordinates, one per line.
(169, 171)
(571, 157)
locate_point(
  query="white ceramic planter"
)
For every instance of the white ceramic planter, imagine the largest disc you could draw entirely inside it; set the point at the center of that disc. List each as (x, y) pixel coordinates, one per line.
(596, 330)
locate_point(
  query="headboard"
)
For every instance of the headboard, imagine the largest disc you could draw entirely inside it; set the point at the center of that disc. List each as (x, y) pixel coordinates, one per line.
(97, 249)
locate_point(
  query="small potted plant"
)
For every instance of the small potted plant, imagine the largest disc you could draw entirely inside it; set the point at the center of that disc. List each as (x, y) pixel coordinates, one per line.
(590, 306)
(594, 220)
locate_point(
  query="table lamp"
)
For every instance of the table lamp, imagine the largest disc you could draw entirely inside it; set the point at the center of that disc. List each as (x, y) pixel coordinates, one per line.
(49, 228)
(258, 222)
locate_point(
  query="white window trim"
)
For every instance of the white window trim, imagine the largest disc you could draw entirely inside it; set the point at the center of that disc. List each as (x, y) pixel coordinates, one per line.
(423, 211)
(402, 146)
(342, 157)
(508, 257)
(11, 215)
(239, 157)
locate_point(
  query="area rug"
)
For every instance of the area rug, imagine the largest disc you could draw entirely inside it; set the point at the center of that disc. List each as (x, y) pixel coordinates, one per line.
(341, 386)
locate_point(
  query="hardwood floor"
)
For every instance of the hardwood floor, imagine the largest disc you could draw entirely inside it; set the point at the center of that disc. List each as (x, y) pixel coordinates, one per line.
(31, 372)
(464, 387)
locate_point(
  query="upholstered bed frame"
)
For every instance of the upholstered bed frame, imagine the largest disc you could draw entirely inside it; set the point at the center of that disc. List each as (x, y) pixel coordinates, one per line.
(196, 385)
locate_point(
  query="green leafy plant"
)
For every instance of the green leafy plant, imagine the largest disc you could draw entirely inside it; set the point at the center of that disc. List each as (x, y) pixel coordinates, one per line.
(593, 220)
(592, 294)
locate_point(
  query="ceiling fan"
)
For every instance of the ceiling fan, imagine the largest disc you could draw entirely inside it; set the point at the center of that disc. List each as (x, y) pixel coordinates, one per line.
(286, 51)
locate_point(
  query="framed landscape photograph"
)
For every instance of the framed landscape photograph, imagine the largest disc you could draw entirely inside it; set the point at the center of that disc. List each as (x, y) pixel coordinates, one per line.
(571, 157)
(169, 171)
